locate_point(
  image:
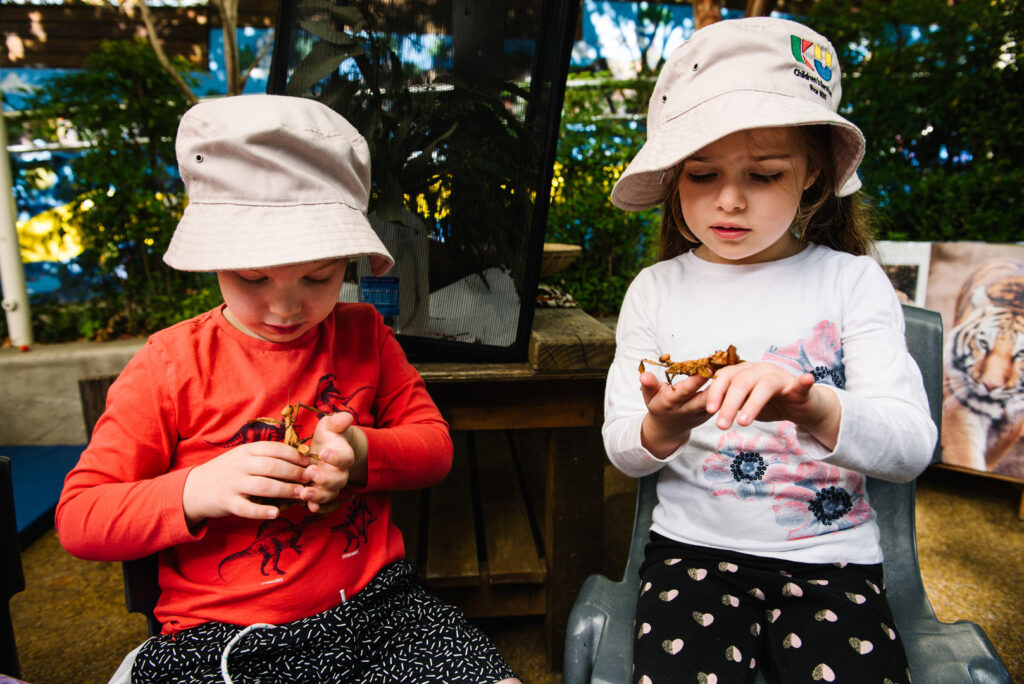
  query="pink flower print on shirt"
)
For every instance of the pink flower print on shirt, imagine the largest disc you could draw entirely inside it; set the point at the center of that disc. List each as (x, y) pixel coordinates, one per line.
(750, 465)
(821, 355)
(822, 498)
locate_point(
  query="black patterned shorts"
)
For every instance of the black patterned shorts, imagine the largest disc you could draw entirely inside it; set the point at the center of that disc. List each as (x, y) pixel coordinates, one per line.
(391, 631)
(721, 615)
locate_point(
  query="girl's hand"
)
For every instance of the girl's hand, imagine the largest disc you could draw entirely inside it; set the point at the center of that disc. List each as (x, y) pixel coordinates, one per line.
(341, 448)
(224, 485)
(672, 411)
(763, 391)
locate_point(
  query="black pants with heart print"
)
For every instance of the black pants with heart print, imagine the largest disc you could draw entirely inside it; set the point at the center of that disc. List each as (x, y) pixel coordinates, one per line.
(708, 616)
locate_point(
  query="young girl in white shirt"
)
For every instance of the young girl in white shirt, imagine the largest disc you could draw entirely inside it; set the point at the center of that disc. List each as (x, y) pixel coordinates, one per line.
(764, 550)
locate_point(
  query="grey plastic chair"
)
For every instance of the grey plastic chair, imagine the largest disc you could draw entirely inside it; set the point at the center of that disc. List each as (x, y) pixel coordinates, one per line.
(599, 636)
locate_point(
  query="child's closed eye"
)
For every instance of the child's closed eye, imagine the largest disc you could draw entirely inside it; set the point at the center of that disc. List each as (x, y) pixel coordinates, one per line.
(700, 177)
(766, 177)
(252, 281)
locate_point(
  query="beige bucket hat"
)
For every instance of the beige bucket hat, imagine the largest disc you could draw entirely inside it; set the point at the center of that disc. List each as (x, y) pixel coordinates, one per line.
(738, 74)
(271, 180)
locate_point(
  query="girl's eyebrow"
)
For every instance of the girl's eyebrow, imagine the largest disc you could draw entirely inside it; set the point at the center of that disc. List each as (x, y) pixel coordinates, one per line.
(758, 158)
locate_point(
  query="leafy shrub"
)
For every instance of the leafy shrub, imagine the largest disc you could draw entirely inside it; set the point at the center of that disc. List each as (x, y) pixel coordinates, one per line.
(601, 132)
(127, 194)
(937, 89)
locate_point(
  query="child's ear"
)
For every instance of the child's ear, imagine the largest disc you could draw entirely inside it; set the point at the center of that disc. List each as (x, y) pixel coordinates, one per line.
(812, 176)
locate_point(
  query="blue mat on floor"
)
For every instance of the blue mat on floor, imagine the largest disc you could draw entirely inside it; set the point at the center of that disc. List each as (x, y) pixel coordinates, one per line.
(38, 475)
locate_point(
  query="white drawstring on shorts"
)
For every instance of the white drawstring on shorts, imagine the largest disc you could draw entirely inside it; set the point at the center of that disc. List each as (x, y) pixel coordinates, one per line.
(234, 640)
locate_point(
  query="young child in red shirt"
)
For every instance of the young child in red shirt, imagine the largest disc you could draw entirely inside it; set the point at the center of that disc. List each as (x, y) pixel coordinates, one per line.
(190, 459)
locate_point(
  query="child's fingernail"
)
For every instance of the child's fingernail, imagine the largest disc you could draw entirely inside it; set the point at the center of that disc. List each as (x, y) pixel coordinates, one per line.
(744, 418)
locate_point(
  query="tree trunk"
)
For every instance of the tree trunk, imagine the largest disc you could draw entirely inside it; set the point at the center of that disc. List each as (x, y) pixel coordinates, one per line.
(759, 8)
(229, 21)
(706, 12)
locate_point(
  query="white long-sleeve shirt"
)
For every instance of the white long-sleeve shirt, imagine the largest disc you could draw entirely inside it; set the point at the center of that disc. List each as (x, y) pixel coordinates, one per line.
(770, 489)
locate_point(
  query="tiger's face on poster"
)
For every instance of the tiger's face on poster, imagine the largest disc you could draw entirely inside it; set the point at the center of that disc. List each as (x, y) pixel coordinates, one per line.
(983, 408)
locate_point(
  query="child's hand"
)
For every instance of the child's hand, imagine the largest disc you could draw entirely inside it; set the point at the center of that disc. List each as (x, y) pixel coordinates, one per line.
(226, 484)
(341, 448)
(763, 391)
(672, 411)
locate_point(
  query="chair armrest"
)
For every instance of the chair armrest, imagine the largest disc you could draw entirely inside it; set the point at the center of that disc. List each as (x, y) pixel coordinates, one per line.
(955, 652)
(599, 641)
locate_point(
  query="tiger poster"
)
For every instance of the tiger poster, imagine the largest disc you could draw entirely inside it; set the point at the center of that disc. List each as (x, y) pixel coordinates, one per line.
(979, 290)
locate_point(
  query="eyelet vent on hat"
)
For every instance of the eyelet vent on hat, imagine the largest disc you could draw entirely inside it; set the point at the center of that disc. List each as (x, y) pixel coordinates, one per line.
(199, 159)
(664, 98)
(696, 66)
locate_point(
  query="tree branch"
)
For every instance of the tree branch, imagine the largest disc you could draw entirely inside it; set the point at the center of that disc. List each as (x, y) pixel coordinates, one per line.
(158, 48)
(262, 53)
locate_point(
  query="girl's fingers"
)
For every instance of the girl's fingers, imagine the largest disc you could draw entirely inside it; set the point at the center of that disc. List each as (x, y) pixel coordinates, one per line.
(740, 393)
(649, 386)
(748, 405)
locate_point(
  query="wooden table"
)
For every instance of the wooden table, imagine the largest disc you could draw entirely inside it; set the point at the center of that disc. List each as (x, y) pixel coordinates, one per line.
(517, 526)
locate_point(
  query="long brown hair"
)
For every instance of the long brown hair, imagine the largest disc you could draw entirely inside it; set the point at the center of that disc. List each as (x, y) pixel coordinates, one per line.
(842, 223)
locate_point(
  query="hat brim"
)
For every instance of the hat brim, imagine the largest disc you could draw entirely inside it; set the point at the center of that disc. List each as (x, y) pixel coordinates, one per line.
(229, 237)
(641, 185)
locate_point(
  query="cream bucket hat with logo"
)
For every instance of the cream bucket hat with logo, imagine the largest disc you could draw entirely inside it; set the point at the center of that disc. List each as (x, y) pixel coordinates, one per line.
(271, 180)
(734, 75)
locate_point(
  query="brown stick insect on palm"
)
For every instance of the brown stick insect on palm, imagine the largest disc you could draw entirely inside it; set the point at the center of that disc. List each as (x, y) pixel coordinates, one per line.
(705, 367)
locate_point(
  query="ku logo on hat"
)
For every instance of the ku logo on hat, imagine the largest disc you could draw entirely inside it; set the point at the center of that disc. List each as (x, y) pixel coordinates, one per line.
(800, 49)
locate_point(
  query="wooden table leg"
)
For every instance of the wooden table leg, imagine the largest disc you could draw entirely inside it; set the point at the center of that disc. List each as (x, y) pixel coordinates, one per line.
(574, 532)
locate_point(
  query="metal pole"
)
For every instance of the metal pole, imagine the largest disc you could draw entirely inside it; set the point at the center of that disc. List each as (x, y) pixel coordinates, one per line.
(12, 271)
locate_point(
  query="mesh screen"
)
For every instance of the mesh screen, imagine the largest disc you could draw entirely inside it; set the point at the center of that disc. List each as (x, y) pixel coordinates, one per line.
(460, 103)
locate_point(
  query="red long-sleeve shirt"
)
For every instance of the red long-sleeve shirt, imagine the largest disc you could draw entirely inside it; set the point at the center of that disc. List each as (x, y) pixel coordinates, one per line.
(195, 391)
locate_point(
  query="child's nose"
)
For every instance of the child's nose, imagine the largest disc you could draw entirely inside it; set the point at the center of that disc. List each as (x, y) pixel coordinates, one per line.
(285, 304)
(731, 198)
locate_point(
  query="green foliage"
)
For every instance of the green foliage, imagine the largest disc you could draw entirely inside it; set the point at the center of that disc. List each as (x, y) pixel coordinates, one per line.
(601, 132)
(937, 88)
(128, 195)
(105, 319)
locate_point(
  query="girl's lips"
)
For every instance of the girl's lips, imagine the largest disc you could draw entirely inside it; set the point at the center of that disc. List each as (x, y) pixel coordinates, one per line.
(729, 232)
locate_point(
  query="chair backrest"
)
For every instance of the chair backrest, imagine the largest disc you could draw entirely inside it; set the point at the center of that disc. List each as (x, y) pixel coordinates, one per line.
(924, 342)
(141, 576)
(142, 588)
(13, 576)
(893, 502)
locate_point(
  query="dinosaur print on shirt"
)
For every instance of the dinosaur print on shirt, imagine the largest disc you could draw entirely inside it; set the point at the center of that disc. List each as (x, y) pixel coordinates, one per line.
(273, 538)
